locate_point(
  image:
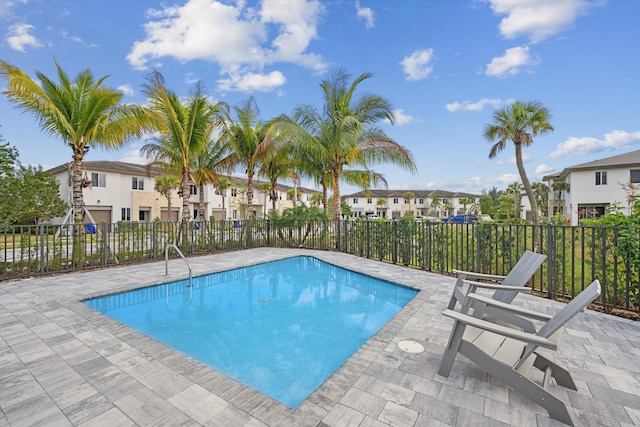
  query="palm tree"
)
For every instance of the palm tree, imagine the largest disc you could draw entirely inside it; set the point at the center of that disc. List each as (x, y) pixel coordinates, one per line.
(541, 192)
(519, 122)
(407, 199)
(207, 167)
(345, 135)
(82, 112)
(436, 201)
(466, 201)
(165, 184)
(381, 203)
(221, 187)
(515, 189)
(184, 132)
(245, 136)
(277, 164)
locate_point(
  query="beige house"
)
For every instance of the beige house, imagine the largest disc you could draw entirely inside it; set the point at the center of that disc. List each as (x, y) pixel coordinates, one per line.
(122, 191)
(394, 204)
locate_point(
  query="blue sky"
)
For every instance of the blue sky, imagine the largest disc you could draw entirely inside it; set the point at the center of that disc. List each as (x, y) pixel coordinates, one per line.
(445, 65)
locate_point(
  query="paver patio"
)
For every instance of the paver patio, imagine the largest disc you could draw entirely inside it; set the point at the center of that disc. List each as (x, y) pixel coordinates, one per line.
(62, 363)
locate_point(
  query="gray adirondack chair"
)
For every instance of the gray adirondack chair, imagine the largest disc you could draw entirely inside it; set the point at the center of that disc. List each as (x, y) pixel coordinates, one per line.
(509, 354)
(505, 289)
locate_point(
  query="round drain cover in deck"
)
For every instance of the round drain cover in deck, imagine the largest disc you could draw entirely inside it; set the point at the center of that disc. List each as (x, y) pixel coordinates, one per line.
(411, 346)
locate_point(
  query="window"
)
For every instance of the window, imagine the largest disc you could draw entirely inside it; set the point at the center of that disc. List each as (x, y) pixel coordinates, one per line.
(355, 200)
(601, 178)
(234, 192)
(421, 201)
(235, 214)
(195, 213)
(142, 215)
(193, 190)
(445, 201)
(395, 201)
(635, 176)
(137, 183)
(369, 200)
(98, 179)
(126, 214)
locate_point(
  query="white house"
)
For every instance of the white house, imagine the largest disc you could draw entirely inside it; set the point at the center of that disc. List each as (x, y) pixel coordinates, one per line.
(437, 203)
(592, 187)
(122, 191)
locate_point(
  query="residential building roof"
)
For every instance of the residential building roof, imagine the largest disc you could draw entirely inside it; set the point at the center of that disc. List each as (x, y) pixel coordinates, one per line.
(418, 194)
(621, 160)
(152, 171)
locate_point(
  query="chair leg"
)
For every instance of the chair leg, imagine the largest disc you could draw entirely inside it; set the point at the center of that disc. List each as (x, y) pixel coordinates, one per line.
(449, 356)
(554, 406)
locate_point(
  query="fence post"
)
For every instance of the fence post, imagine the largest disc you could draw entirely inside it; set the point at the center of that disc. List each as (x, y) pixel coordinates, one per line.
(42, 251)
(247, 228)
(551, 261)
(105, 242)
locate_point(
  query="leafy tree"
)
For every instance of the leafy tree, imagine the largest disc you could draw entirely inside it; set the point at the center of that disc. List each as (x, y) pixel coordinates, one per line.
(165, 184)
(486, 205)
(82, 112)
(27, 194)
(519, 122)
(345, 210)
(466, 201)
(184, 131)
(436, 202)
(506, 207)
(276, 165)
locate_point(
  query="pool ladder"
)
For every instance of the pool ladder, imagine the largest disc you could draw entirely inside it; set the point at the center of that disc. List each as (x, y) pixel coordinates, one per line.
(166, 261)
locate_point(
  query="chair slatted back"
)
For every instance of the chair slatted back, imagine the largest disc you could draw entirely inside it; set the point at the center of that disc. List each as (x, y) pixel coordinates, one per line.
(520, 274)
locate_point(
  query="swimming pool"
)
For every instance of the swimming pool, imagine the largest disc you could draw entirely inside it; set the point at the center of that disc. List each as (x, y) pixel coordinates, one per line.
(281, 327)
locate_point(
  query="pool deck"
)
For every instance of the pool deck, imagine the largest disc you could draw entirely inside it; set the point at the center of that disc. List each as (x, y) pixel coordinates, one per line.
(61, 363)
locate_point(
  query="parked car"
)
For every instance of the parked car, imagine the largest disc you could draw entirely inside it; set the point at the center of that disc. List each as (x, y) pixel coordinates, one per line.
(461, 219)
(429, 219)
(486, 217)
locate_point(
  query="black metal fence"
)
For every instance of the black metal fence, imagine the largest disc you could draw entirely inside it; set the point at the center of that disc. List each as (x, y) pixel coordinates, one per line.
(576, 255)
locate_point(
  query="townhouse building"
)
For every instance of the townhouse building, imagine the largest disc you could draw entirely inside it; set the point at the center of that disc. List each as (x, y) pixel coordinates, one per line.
(394, 203)
(120, 191)
(587, 190)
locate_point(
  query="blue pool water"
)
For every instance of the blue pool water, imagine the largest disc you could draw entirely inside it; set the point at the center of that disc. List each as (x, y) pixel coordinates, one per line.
(281, 327)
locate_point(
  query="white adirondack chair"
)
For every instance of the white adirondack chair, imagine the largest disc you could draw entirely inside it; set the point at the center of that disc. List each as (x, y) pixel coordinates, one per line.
(509, 354)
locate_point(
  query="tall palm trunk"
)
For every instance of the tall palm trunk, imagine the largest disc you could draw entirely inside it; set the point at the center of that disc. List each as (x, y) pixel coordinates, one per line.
(186, 213)
(526, 183)
(201, 215)
(77, 186)
(335, 176)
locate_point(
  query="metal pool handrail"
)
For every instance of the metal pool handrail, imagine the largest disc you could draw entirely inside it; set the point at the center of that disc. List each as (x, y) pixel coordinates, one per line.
(166, 260)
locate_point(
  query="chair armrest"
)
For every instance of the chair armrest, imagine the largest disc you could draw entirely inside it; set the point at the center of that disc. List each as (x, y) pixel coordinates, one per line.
(520, 311)
(496, 286)
(481, 276)
(501, 330)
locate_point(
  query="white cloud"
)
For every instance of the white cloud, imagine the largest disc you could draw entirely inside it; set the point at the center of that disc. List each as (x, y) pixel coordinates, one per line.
(511, 62)
(476, 106)
(365, 13)
(233, 35)
(401, 118)
(249, 82)
(126, 89)
(19, 37)
(586, 145)
(538, 19)
(417, 65)
(133, 155)
(543, 169)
